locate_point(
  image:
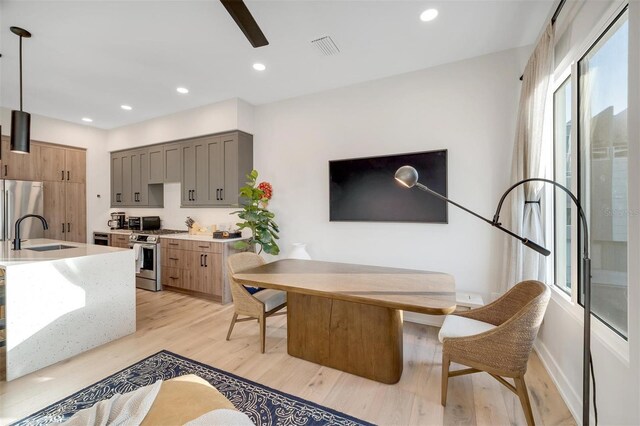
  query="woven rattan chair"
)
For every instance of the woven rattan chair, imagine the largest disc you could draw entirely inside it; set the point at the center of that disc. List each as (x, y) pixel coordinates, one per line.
(259, 305)
(496, 338)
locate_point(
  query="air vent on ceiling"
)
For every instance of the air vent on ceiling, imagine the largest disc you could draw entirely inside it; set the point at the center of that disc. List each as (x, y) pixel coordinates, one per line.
(326, 46)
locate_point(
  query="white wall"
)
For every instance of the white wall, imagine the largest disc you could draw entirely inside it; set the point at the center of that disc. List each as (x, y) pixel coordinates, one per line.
(217, 117)
(94, 140)
(468, 107)
(560, 339)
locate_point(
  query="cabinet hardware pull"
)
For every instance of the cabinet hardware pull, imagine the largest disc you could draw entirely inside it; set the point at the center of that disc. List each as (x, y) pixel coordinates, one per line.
(203, 246)
(221, 194)
(174, 278)
(194, 195)
(62, 176)
(205, 261)
(68, 175)
(173, 244)
(68, 226)
(63, 228)
(217, 194)
(202, 260)
(5, 170)
(173, 258)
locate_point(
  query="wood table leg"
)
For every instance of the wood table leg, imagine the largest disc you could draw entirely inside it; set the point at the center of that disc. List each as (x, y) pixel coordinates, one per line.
(360, 339)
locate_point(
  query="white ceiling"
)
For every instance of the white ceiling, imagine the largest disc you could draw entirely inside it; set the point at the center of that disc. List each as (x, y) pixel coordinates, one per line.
(86, 58)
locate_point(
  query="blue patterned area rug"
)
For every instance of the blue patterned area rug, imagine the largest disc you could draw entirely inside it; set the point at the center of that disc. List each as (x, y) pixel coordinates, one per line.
(263, 405)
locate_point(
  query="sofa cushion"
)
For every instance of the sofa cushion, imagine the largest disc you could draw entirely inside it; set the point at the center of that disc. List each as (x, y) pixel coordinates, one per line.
(457, 326)
(271, 298)
(182, 399)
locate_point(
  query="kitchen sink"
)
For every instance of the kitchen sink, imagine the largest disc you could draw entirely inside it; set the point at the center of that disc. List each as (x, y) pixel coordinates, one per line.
(50, 248)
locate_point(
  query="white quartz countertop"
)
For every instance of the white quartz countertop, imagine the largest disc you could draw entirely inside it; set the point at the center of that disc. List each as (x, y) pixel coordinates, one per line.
(200, 238)
(115, 231)
(9, 257)
(183, 236)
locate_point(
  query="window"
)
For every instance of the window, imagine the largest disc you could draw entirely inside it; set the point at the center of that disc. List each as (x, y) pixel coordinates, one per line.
(562, 175)
(603, 140)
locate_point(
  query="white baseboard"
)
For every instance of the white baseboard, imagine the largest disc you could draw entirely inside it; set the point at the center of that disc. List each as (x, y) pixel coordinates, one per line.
(567, 392)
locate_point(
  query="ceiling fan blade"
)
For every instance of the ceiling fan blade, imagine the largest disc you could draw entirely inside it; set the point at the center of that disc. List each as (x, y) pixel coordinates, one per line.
(239, 12)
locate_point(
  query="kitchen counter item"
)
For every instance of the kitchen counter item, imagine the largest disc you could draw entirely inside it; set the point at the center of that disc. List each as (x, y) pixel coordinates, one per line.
(117, 220)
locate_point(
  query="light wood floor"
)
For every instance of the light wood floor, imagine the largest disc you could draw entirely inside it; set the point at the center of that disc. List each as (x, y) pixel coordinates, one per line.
(196, 329)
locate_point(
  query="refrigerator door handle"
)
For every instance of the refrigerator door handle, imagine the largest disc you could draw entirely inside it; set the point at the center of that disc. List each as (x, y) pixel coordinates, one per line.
(3, 215)
(8, 220)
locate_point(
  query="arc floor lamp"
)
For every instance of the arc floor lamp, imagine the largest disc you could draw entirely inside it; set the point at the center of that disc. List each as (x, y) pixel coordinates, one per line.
(408, 176)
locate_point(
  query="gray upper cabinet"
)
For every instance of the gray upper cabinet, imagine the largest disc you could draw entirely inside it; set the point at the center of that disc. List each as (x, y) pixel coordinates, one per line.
(172, 162)
(210, 169)
(156, 164)
(116, 180)
(214, 168)
(130, 176)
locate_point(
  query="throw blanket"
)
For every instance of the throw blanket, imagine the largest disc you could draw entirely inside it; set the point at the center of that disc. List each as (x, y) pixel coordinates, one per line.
(131, 409)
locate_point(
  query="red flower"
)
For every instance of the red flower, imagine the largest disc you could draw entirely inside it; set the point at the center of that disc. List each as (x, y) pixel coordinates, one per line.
(267, 190)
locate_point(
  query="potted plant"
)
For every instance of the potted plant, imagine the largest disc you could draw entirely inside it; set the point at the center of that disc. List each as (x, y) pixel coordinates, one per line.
(256, 216)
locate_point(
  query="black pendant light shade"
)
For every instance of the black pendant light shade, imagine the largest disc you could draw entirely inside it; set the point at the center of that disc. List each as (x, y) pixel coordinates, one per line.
(20, 120)
(20, 132)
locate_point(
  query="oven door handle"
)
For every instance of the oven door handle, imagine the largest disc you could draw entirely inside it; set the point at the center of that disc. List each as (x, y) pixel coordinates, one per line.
(146, 246)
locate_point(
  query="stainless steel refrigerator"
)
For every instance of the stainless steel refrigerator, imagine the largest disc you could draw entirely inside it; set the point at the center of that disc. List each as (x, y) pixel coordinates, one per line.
(19, 198)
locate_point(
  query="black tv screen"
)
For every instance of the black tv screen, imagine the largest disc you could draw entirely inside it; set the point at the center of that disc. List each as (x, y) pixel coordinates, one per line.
(365, 190)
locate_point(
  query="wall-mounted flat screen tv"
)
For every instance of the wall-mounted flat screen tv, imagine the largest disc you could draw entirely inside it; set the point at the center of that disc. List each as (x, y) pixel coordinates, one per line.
(365, 190)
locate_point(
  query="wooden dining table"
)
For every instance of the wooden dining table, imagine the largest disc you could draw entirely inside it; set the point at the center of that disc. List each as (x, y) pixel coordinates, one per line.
(349, 317)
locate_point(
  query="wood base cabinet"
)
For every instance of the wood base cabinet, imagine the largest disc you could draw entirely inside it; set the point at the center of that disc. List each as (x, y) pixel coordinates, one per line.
(196, 267)
(119, 240)
(65, 210)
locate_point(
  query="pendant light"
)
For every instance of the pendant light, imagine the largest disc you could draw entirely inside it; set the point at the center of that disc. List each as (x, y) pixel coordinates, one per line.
(20, 120)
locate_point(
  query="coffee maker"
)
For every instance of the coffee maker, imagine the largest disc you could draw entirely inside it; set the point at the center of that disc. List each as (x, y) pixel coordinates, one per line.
(117, 220)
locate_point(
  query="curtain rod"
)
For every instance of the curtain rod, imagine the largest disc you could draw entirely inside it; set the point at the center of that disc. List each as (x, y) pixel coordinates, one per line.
(554, 18)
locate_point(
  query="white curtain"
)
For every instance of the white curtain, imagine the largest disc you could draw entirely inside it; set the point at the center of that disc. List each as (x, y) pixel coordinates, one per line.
(530, 159)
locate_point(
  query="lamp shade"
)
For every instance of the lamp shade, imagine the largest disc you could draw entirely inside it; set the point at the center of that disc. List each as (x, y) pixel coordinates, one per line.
(407, 175)
(20, 132)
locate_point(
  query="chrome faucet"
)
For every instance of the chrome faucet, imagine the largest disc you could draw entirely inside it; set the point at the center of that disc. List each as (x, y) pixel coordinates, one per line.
(16, 241)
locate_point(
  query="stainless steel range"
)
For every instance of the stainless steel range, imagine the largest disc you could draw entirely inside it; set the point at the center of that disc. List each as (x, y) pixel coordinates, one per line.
(147, 247)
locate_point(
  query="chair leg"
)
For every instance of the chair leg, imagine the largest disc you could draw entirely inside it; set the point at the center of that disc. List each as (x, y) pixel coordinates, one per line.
(521, 387)
(233, 322)
(446, 362)
(263, 331)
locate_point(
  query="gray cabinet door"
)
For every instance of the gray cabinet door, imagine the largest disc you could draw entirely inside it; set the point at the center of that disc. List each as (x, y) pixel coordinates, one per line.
(136, 177)
(127, 180)
(172, 163)
(229, 161)
(143, 171)
(215, 153)
(156, 164)
(116, 180)
(189, 171)
(203, 196)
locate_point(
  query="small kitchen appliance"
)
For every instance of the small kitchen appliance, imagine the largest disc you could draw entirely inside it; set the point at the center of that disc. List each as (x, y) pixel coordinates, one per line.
(117, 220)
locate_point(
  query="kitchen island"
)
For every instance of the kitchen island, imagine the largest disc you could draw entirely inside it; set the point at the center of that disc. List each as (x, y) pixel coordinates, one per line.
(62, 299)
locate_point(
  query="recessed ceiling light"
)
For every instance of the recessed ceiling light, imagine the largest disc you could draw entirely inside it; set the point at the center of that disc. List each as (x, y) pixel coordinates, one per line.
(259, 67)
(182, 90)
(428, 15)
(87, 119)
(126, 107)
